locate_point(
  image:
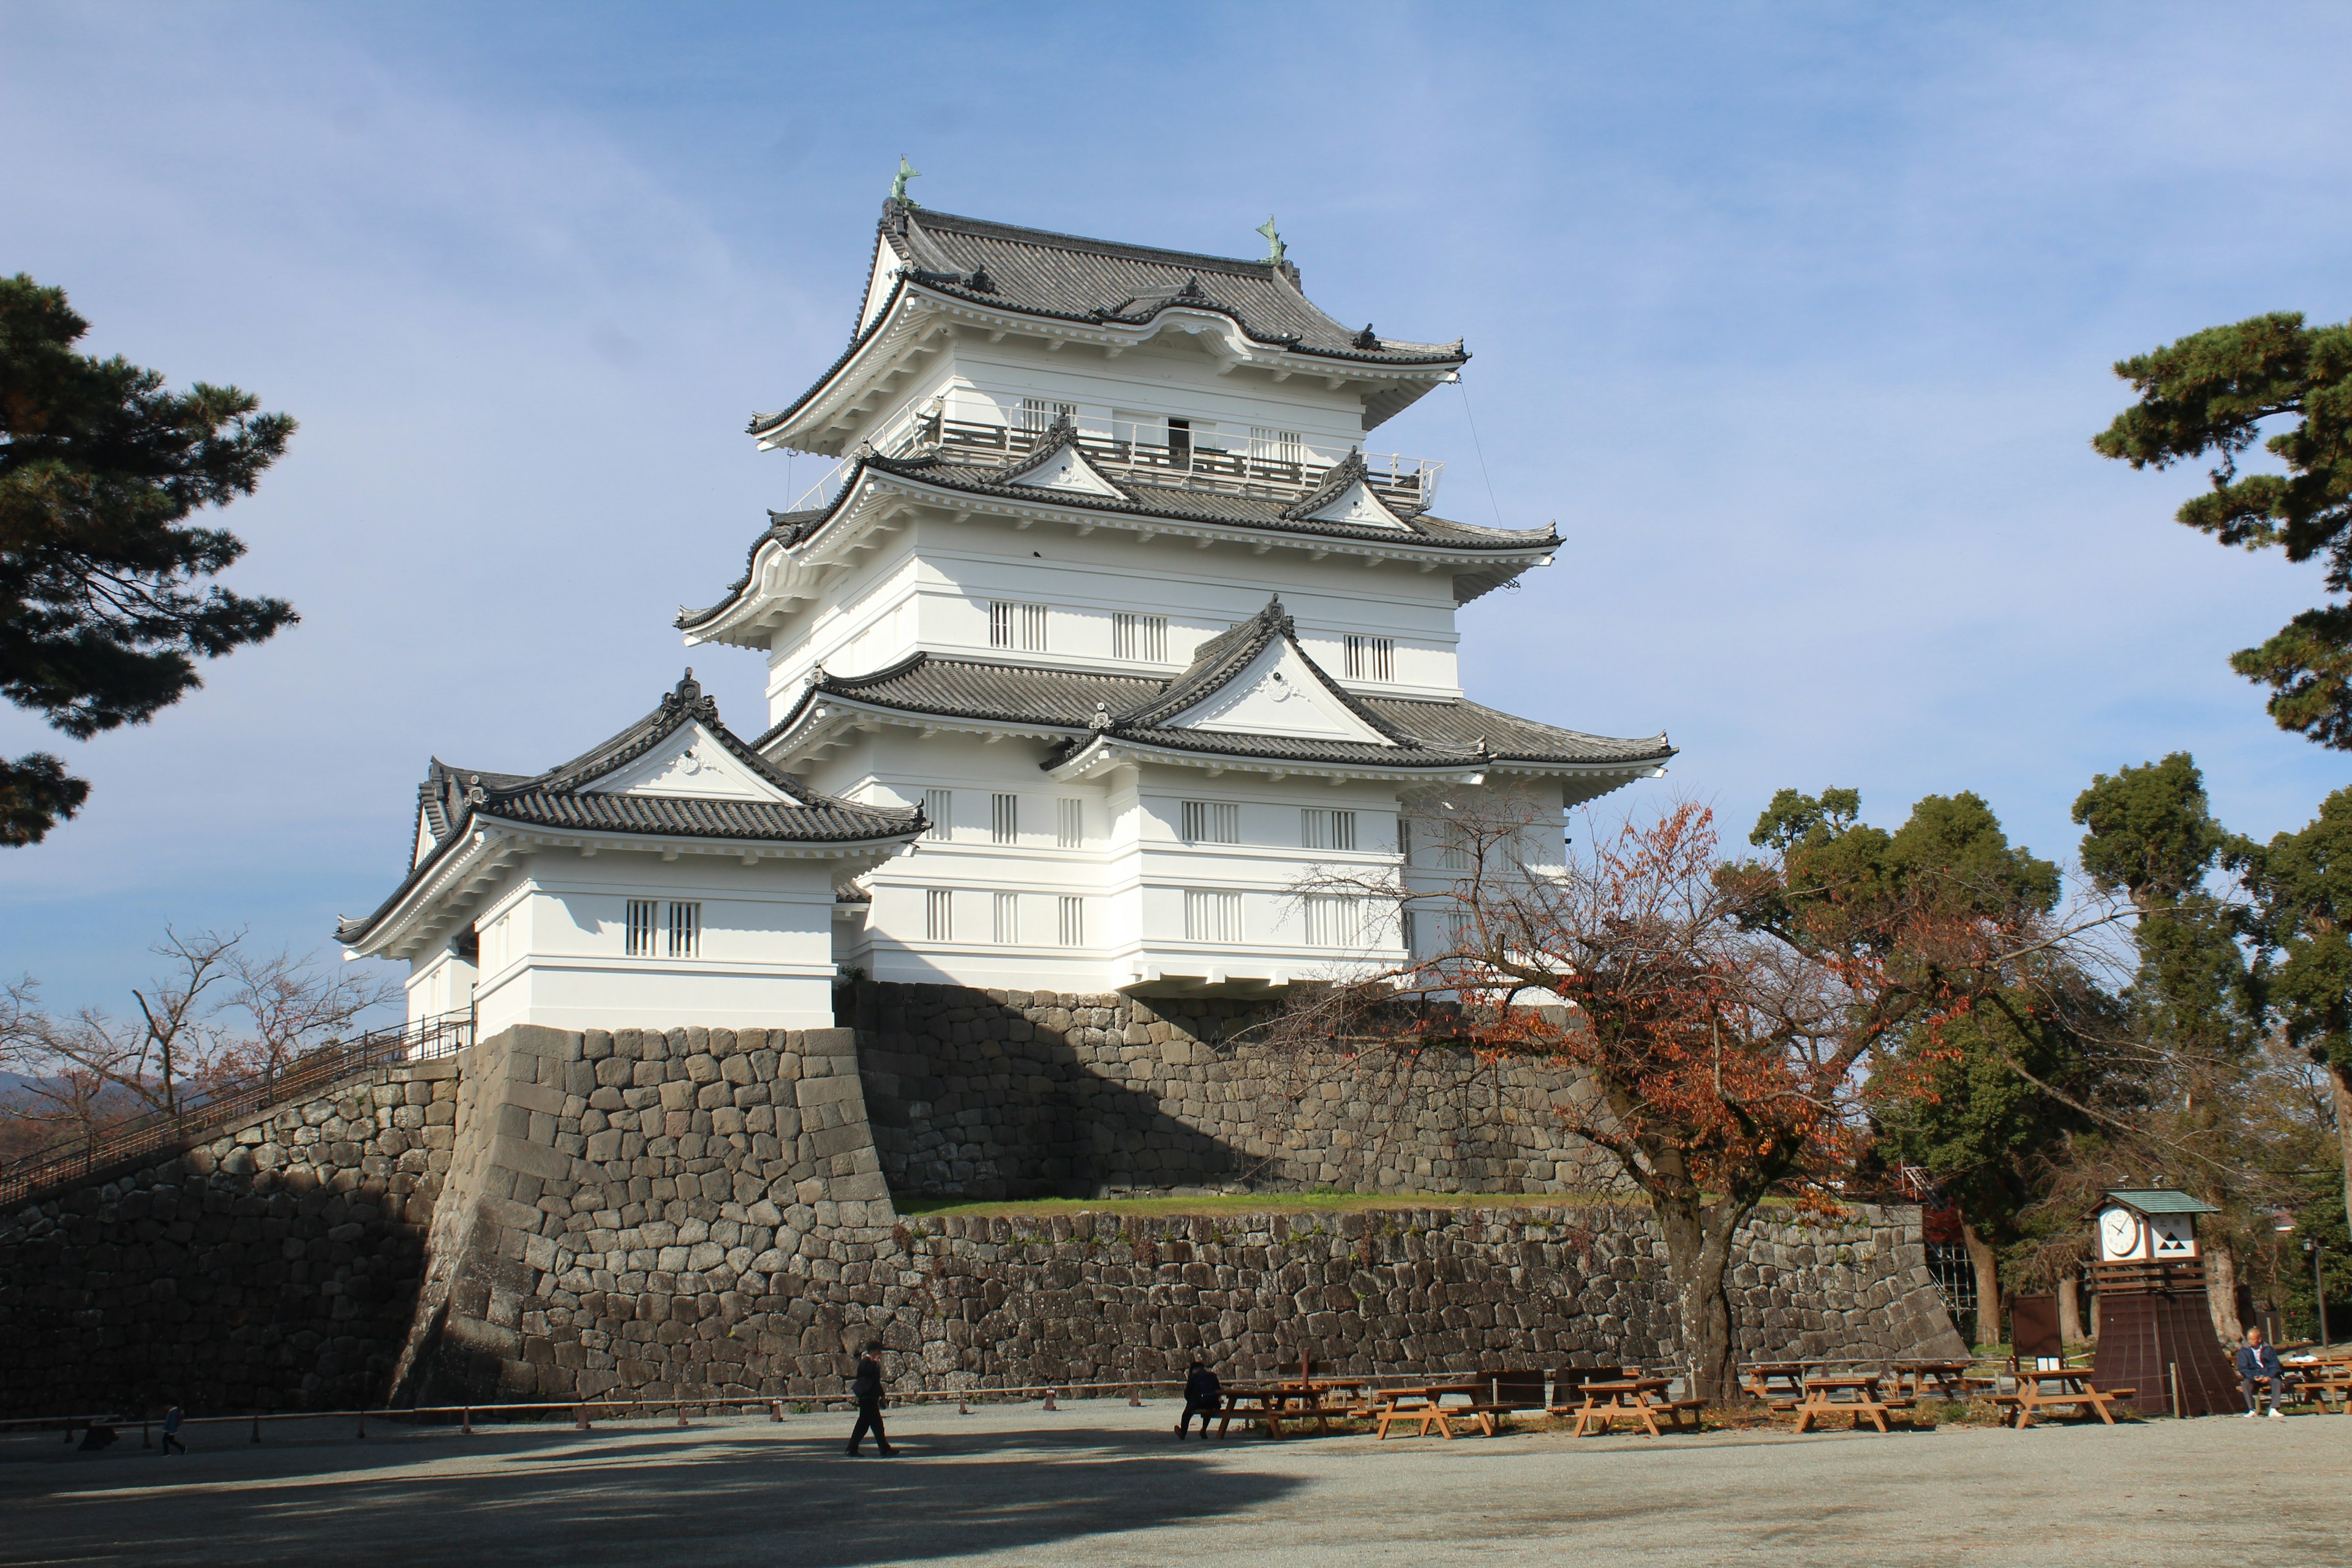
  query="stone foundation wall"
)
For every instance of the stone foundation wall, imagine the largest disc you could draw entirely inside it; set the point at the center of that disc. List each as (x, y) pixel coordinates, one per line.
(1101, 1297)
(1012, 1094)
(273, 1267)
(702, 1214)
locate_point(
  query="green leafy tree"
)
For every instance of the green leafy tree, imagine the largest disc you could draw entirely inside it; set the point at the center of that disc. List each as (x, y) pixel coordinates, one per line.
(2302, 882)
(1951, 1090)
(2213, 392)
(2192, 1018)
(104, 603)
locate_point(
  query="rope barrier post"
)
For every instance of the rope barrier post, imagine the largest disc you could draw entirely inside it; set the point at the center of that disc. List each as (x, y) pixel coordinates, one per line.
(143, 1433)
(1134, 1397)
(580, 1418)
(68, 1431)
(963, 1408)
(1049, 1400)
(775, 1411)
(257, 1428)
(362, 1423)
(465, 1422)
(681, 1413)
(2176, 1412)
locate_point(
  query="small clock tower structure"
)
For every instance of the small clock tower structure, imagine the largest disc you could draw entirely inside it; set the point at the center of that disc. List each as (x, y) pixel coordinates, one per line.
(2156, 1329)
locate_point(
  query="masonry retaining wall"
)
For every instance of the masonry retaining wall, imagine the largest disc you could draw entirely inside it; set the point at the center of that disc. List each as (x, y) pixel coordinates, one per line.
(1015, 1094)
(274, 1266)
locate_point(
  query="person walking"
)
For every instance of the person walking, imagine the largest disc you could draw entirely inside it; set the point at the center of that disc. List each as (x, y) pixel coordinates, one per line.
(867, 1387)
(1202, 1395)
(171, 1431)
(2258, 1364)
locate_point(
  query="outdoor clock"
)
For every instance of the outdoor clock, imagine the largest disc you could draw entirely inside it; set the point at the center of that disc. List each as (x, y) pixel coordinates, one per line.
(2118, 1233)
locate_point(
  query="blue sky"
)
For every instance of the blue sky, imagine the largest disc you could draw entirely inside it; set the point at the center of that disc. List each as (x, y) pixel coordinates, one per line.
(1796, 318)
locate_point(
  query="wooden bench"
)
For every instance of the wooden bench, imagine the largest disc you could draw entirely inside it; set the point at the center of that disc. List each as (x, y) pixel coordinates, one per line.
(1862, 1402)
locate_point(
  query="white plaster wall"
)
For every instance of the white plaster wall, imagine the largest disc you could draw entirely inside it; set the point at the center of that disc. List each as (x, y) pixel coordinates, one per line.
(553, 943)
(928, 589)
(1132, 871)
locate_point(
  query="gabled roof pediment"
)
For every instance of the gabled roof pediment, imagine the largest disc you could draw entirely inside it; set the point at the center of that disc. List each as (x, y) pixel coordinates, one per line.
(1346, 497)
(1279, 692)
(1059, 463)
(691, 760)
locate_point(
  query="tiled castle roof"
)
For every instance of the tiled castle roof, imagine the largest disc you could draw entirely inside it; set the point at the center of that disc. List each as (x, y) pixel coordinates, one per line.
(1426, 732)
(453, 799)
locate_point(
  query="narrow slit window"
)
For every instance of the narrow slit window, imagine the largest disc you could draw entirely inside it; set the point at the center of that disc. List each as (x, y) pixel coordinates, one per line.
(1331, 919)
(1370, 659)
(1322, 829)
(1212, 822)
(1211, 916)
(1004, 919)
(1005, 819)
(1039, 414)
(644, 916)
(1012, 624)
(939, 915)
(1069, 824)
(1072, 925)
(938, 814)
(1138, 637)
(686, 930)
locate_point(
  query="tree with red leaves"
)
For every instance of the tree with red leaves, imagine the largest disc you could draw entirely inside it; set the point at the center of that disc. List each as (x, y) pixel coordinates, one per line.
(1720, 1015)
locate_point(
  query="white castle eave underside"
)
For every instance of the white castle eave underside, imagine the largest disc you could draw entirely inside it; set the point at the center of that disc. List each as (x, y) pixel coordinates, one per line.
(915, 314)
(439, 903)
(781, 578)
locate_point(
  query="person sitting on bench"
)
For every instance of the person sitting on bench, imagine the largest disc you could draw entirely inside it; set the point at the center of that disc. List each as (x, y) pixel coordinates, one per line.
(2259, 1363)
(1202, 1396)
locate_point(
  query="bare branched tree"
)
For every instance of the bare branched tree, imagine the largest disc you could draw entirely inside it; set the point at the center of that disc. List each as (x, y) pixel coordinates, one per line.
(215, 1014)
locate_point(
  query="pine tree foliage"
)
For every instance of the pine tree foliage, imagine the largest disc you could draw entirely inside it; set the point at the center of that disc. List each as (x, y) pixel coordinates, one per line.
(105, 602)
(2214, 393)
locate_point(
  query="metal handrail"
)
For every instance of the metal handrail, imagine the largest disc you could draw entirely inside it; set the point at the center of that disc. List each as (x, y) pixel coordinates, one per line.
(127, 1141)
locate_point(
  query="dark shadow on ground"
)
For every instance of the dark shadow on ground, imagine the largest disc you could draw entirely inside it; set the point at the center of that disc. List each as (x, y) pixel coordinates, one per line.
(708, 1496)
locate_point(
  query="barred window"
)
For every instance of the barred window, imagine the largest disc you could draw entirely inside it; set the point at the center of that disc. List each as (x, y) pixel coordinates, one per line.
(1322, 829)
(1004, 919)
(644, 916)
(1038, 414)
(1210, 916)
(1212, 822)
(1268, 444)
(1005, 819)
(939, 915)
(1072, 929)
(1069, 824)
(1372, 659)
(939, 813)
(686, 930)
(1331, 920)
(1136, 637)
(1017, 625)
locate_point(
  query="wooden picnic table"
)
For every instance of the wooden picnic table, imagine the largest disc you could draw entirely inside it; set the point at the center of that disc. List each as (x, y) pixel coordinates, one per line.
(1851, 1394)
(1949, 1377)
(2041, 1390)
(1297, 1400)
(1777, 1382)
(1636, 1399)
(1426, 1407)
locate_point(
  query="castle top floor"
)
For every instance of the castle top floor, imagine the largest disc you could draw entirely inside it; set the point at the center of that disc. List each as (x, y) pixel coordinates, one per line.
(977, 337)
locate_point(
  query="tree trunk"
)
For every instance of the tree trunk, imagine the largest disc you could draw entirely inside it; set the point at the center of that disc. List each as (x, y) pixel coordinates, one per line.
(2337, 1080)
(1988, 1268)
(1699, 1254)
(2221, 1292)
(2070, 1311)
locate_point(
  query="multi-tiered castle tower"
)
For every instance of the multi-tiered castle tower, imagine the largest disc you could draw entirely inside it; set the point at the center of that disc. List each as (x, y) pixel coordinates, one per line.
(1103, 645)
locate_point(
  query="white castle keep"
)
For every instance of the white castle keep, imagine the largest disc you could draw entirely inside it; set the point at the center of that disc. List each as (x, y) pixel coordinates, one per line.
(1103, 643)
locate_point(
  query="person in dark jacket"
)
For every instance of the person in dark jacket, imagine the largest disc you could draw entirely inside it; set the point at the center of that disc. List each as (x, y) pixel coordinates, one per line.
(867, 1386)
(171, 1431)
(1202, 1395)
(2259, 1363)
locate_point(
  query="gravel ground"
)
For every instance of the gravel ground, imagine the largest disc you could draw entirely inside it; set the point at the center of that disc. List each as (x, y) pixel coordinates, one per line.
(1100, 1483)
